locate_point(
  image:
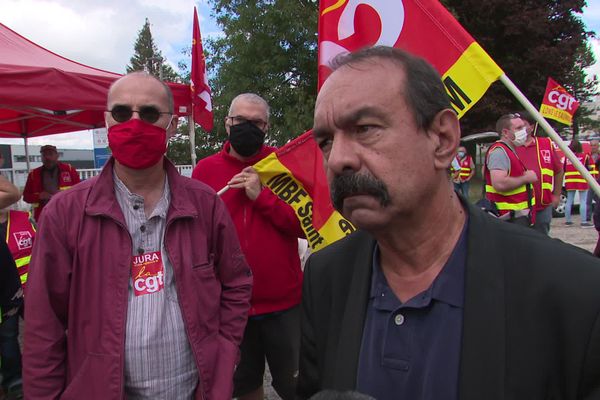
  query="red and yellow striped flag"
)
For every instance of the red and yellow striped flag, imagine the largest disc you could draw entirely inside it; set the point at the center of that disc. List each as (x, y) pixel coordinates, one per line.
(421, 27)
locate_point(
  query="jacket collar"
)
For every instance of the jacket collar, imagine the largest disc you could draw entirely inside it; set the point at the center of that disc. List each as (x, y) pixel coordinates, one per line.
(102, 199)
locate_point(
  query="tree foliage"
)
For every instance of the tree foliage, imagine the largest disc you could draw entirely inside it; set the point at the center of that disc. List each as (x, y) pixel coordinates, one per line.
(148, 58)
(530, 40)
(269, 47)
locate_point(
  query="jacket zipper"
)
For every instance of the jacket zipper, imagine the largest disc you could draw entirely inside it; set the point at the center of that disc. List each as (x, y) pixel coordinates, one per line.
(183, 314)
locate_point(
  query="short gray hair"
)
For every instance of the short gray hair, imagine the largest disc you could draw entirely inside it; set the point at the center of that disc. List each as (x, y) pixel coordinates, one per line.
(251, 98)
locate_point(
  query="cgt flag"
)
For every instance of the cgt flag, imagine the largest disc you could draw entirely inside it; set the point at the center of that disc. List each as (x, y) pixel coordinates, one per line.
(558, 104)
(201, 101)
(421, 27)
(295, 173)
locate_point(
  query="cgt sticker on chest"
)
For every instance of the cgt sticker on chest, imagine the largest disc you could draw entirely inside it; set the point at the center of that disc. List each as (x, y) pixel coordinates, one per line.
(24, 240)
(148, 273)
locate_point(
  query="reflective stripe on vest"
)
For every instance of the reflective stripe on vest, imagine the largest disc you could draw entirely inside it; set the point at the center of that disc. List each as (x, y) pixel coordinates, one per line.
(544, 147)
(22, 261)
(594, 170)
(573, 179)
(515, 199)
(20, 235)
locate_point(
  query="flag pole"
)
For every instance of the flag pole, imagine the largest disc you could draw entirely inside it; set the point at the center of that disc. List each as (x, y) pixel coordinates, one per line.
(192, 133)
(551, 132)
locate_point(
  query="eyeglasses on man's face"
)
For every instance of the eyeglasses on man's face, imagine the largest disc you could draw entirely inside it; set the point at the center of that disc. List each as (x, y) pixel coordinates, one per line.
(238, 119)
(150, 114)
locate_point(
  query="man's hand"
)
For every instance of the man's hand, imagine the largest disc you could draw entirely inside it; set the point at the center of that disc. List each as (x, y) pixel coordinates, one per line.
(247, 179)
(530, 177)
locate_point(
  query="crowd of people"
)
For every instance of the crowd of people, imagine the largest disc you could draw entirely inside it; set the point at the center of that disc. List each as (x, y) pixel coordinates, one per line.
(143, 284)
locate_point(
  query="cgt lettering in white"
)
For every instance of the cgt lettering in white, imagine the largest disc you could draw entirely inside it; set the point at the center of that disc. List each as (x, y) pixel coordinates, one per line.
(149, 284)
(563, 101)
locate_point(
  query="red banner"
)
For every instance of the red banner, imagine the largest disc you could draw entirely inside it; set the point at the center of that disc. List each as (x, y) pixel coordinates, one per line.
(201, 100)
(558, 104)
(421, 27)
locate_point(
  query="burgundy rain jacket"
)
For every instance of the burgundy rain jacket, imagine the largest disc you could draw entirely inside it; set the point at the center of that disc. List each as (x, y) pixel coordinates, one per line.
(78, 285)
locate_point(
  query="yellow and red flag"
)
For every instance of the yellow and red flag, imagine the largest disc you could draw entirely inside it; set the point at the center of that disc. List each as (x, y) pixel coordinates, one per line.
(421, 27)
(295, 173)
(558, 104)
(201, 99)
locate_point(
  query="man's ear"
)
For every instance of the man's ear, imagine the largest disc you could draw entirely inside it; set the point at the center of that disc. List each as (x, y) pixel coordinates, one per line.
(173, 128)
(446, 128)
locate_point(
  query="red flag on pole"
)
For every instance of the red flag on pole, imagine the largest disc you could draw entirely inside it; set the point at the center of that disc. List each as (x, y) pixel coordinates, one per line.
(421, 27)
(201, 101)
(558, 104)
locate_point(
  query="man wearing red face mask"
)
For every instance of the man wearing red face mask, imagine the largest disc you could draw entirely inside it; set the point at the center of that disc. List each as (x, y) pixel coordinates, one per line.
(268, 230)
(141, 267)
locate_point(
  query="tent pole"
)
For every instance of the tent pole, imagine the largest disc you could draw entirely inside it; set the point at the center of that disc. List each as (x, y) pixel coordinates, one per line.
(26, 153)
(192, 133)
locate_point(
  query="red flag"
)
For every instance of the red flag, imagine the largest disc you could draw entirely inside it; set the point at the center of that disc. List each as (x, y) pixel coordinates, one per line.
(558, 104)
(295, 173)
(201, 101)
(421, 27)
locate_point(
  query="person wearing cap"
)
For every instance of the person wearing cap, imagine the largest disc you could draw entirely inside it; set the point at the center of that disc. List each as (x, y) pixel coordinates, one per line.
(47, 180)
(138, 287)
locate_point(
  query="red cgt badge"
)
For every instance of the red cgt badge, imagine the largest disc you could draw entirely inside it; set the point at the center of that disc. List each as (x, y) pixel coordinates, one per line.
(148, 273)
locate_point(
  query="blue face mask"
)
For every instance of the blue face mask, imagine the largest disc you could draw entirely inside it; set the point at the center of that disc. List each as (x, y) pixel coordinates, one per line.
(461, 154)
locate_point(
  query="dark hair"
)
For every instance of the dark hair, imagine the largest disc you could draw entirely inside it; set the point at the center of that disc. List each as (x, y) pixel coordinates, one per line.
(424, 91)
(575, 146)
(337, 395)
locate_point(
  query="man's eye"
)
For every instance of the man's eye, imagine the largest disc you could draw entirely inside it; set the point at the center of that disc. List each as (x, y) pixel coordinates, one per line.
(324, 143)
(364, 128)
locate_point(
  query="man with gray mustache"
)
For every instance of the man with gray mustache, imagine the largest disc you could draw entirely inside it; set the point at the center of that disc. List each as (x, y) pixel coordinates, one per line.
(431, 298)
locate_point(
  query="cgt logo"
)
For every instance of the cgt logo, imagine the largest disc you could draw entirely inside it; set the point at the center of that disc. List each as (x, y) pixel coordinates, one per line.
(391, 17)
(24, 240)
(562, 100)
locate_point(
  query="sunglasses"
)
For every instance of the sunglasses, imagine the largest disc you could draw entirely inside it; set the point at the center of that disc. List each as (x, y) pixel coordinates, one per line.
(148, 114)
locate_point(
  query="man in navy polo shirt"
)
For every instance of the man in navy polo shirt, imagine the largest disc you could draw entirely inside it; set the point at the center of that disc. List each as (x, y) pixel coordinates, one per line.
(431, 298)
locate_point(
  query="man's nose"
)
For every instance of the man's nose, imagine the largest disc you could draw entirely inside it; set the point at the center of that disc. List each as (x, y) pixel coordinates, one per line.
(343, 154)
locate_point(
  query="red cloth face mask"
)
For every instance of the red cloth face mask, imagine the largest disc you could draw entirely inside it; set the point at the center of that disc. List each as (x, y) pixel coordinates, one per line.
(137, 144)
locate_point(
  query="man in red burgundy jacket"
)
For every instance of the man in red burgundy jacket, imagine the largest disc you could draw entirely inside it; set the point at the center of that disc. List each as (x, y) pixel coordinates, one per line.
(139, 288)
(47, 180)
(268, 230)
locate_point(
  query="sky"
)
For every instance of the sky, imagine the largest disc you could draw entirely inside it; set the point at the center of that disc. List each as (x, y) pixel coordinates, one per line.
(101, 34)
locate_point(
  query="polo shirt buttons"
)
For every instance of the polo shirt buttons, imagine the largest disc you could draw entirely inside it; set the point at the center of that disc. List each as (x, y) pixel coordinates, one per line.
(399, 319)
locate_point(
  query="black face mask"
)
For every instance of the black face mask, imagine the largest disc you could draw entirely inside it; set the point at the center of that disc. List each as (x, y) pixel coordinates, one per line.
(246, 139)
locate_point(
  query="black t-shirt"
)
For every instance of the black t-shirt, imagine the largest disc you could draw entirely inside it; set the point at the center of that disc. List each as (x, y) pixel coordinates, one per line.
(11, 294)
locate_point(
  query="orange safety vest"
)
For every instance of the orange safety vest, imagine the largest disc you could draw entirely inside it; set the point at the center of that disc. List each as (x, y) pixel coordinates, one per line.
(544, 154)
(20, 235)
(465, 168)
(573, 179)
(513, 200)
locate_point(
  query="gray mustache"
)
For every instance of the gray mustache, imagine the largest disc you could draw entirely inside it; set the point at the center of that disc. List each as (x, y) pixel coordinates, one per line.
(345, 185)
